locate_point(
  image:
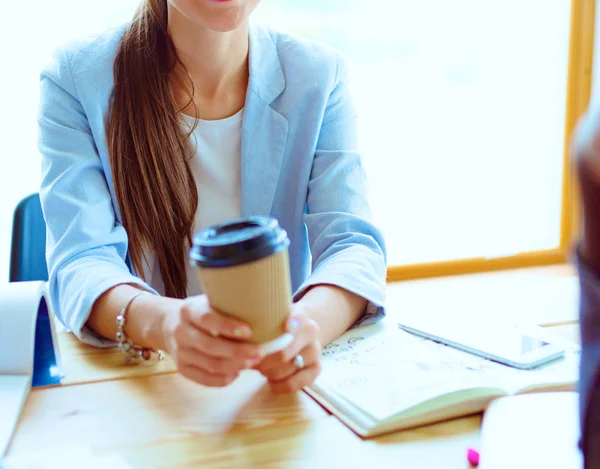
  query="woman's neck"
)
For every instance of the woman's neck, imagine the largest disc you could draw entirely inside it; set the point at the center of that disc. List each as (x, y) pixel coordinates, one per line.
(217, 63)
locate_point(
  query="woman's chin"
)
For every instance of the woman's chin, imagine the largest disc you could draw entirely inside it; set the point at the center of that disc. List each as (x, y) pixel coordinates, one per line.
(226, 15)
(225, 26)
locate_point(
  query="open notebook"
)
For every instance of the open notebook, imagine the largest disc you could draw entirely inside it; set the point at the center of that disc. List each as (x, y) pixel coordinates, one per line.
(29, 354)
(380, 378)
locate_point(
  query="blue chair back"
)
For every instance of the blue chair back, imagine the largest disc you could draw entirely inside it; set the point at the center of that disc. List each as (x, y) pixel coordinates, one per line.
(28, 245)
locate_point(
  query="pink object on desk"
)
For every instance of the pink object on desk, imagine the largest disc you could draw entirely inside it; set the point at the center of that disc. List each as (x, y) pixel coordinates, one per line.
(473, 457)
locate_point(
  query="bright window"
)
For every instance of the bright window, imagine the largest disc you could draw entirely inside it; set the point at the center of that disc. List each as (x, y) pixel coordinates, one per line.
(462, 107)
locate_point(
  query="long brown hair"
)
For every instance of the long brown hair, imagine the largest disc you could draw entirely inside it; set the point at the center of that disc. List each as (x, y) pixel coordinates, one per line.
(149, 149)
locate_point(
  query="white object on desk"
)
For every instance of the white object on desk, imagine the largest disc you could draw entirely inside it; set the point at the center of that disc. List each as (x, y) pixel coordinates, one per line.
(530, 431)
(29, 354)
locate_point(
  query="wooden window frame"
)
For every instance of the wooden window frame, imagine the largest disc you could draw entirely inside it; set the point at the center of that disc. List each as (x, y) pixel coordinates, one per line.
(579, 80)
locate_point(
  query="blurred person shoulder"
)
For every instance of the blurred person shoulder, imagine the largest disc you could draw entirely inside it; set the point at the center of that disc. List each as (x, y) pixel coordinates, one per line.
(586, 143)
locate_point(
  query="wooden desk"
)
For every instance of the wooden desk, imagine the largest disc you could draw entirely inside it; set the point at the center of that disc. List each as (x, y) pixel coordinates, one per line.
(151, 417)
(164, 420)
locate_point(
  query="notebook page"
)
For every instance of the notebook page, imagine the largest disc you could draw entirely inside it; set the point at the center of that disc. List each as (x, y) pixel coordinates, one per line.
(384, 371)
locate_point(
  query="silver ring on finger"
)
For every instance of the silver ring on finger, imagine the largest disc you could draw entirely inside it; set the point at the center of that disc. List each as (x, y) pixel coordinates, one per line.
(298, 362)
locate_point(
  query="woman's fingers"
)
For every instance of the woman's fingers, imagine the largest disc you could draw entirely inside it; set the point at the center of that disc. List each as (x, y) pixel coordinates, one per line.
(297, 381)
(311, 354)
(218, 346)
(212, 349)
(304, 334)
(203, 377)
(279, 368)
(197, 311)
(207, 346)
(213, 365)
(187, 336)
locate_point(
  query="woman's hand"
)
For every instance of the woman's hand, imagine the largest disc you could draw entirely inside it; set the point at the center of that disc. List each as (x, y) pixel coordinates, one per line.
(206, 345)
(285, 372)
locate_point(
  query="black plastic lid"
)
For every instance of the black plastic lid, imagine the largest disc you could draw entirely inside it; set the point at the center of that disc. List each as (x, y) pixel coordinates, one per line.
(238, 242)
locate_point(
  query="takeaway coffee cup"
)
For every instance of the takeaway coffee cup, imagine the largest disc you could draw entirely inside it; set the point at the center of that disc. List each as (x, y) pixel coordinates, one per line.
(243, 267)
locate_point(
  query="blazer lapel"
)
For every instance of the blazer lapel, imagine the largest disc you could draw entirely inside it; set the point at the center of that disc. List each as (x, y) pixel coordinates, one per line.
(264, 130)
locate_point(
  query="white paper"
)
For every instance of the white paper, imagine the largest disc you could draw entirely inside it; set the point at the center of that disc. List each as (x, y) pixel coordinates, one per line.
(19, 303)
(13, 391)
(535, 430)
(19, 308)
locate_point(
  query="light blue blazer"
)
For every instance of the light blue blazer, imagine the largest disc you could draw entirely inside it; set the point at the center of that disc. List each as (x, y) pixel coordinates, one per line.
(299, 163)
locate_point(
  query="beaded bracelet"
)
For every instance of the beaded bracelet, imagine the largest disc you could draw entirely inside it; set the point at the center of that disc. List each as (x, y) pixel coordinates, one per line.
(126, 345)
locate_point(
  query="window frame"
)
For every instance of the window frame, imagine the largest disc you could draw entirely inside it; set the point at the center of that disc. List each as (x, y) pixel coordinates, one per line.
(579, 84)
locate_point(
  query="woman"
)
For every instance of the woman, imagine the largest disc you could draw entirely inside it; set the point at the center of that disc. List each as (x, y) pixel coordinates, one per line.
(186, 117)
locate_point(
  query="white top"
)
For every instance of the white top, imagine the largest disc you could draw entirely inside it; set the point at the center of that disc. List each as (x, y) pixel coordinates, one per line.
(216, 166)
